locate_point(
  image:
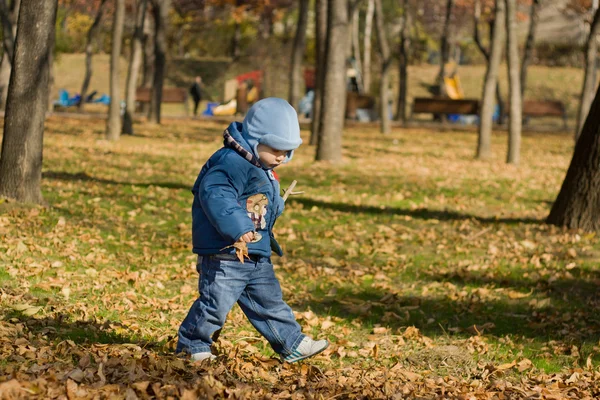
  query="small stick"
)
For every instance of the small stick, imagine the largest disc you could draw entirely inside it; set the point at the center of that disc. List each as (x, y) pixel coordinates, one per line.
(478, 234)
(289, 190)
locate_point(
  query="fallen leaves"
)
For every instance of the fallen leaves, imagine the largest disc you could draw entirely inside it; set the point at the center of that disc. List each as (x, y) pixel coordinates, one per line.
(26, 309)
(424, 279)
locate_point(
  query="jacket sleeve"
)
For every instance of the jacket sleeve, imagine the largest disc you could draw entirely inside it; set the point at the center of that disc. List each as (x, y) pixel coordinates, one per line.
(279, 203)
(218, 194)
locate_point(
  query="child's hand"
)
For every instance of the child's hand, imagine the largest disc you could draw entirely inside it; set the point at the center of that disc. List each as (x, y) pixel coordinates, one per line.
(247, 237)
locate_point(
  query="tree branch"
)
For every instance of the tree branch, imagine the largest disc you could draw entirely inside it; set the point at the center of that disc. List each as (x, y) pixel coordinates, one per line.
(476, 33)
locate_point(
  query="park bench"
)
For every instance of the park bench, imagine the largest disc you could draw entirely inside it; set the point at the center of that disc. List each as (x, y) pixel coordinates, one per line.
(433, 105)
(169, 95)
(543, 108)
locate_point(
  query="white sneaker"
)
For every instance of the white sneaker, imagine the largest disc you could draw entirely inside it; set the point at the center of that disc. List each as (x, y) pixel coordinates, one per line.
(306, 348)
(203, 356)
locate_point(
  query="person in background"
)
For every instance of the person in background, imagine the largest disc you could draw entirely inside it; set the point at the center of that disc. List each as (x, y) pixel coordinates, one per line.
(196, 92)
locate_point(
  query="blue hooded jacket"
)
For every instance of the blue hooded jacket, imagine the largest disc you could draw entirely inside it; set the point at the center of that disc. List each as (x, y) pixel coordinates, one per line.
(233, 196)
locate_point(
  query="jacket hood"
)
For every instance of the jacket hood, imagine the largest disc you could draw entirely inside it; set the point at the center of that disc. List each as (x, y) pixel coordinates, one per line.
(273, 122)
(235, 130)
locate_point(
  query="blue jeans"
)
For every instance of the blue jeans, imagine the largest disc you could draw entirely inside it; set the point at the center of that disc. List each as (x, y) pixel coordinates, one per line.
(223, 281)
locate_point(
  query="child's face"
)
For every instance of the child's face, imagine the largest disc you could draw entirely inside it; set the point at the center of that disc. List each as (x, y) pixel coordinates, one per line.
(269, 157)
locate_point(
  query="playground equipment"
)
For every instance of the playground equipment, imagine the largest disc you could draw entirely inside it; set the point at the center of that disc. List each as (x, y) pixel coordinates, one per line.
(453, 87)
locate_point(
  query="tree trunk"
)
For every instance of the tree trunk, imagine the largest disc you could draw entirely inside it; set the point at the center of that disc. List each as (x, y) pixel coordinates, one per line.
(386, 61)
(367, 46)
(49, 101)
(89, 51)
(161, 15)
(180, 42)
(265, 27)
(484, 142)
(137, 42)
(529, 43)
(321, 45)
(113, 124)
(296, 68)
(9, 24)
(404, 48)
(334, 88)
(148, 71)
(445, 49)
(486, 54)
(22, 147)
(589, 80)
(515, 119)
(5, 69)
(235, 41)
(578, 203)
(8, 36)
(356, 39)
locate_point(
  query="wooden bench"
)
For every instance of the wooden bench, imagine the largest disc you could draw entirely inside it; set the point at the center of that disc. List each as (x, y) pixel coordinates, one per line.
(433, 105)
(543, 108)
(169, 95)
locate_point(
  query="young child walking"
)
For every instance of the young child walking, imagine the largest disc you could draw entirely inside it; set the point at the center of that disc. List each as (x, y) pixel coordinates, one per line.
(237, 198)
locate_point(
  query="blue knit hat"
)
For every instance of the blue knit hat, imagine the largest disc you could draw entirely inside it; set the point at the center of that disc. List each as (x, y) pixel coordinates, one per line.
(272, 122)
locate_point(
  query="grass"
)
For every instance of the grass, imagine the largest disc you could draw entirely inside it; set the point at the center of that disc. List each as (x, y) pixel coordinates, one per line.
(410, 235)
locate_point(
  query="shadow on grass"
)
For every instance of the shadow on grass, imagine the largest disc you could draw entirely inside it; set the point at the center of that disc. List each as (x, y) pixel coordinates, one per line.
(60, 328)
(439, 315)
(582, 287)
(419, 213)
(83, 176)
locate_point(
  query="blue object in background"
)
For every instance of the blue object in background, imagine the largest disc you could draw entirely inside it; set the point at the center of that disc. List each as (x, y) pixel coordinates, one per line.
(209, 109)
(305, 105)
(454, 118)
(496, 115)
(104, 99)
(64, 100)
(470, 119)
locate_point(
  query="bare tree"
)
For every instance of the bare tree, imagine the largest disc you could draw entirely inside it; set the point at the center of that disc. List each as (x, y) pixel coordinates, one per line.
(235, 41)
(403, 52)
(296, 76)
(445, 48)
(529, 43)
(515, 118)
(135, 62)
(161, 16)
(356, 39)
(148, 58)
(321, 46)
(486, 53)
(484, 142)
(22, 146)
(334, 88)
(50, 102)
(589, 79)
(8, 15)
(8, 39)
(366, 73)
(386, 62)
(89, 52)
(578, 203)
(113, 124)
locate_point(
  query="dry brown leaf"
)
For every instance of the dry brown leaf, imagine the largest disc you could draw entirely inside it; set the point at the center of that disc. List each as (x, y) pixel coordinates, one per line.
(241, 250)
(518, 295)
(503, 367)
(524, 364)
